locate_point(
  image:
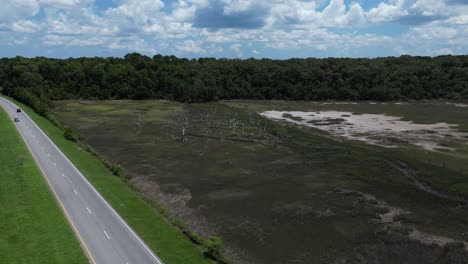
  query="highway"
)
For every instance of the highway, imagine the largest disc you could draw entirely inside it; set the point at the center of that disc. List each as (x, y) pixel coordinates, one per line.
(103, 234)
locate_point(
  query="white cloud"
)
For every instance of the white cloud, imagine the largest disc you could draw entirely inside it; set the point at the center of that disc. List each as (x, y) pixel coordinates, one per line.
(387, 12)
(459, 20)
(235, 6)
(287, 24)
(237, 49)
(430, 7)
(12, 9)
(190, 46)
(137, 10)
(27, 26)
(131, 44)
(64, 3)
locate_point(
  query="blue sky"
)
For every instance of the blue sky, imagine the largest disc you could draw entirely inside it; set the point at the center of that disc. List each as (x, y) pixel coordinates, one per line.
(233, 28)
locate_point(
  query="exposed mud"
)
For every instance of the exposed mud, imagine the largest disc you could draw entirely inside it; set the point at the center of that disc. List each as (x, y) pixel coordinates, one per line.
(424, 186)
(458, 104)
(383, 130)
(175, 203)
(399, 235)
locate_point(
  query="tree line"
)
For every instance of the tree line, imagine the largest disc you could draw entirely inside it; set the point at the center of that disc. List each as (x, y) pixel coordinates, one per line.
(37, 81)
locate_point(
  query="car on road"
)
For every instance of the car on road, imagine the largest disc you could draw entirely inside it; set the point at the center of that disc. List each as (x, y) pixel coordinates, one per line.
(16, 119)
(18, 110)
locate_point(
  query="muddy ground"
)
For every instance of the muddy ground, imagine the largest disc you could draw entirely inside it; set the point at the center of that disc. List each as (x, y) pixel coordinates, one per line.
(281, 193)
(379, 129)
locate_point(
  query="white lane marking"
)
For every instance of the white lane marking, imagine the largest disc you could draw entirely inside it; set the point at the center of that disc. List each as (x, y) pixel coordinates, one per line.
(89, 211)
(75, 191)
(90, 185)
(105, 233)
(63, 175)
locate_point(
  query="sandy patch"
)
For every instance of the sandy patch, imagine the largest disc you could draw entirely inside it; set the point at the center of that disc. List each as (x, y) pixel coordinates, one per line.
(339, 103)
(376, 129)
(458, 104)
(430, 239)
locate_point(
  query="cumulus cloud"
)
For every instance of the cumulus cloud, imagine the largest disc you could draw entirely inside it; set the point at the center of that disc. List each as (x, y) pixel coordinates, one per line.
(385, 12)
(219, 27)
(190, 46)
(25, 26)
(136, 10)
(13, 9)
(459, 20)
(63, 3)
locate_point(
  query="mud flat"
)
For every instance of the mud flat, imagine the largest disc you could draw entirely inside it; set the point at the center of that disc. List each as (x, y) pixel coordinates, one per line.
(376, 129)
(287, 193)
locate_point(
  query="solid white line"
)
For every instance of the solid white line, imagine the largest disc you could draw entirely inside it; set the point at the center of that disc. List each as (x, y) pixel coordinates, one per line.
(106, 234)
(89, 211)
(91, 186)
(63, 175)
(75, 191)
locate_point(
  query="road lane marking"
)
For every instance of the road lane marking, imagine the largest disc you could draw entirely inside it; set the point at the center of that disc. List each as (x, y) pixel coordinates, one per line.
(63, 175)
(92, 188)
(105, 233)
(89, 211)
(75, 191)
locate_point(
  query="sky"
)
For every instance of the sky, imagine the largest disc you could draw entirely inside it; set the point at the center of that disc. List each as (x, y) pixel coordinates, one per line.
(276, 29)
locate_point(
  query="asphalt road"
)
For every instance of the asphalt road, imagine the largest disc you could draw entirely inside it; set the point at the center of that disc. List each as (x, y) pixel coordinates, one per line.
(104, 235)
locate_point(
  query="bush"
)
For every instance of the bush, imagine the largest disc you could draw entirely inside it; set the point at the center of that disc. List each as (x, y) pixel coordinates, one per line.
(69, 134)
(116, 170)
(213, 246)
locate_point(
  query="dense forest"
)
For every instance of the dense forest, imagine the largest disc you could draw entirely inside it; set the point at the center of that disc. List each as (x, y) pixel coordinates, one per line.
(36, 81)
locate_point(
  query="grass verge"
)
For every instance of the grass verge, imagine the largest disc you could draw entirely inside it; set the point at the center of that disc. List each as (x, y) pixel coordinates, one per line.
(165, 240)
(32, 227)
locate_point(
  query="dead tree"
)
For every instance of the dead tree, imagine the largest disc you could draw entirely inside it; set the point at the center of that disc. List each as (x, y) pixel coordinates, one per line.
(263, 130)
(139, 124)
(178, 128)
(184, 124)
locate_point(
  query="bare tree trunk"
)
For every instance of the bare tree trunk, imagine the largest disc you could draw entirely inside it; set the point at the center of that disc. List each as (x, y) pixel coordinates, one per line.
(184, 125)
(139, 124)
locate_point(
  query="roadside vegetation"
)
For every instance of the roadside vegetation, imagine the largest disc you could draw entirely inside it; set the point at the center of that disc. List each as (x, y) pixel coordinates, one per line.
(166, 240)
(33, 229)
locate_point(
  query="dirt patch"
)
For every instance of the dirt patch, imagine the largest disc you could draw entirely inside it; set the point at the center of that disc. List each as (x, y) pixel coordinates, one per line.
(175, 204)
(398, 230)
(398, 249)
(383, 130)
(458, 104)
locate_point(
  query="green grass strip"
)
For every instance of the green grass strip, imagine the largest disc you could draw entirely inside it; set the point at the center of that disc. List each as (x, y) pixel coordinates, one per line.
(164, 239)
(33, 229)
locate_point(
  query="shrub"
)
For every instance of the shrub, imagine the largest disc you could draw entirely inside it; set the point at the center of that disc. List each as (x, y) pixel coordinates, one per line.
(213, 246)
(116, 170)
(69, 134)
